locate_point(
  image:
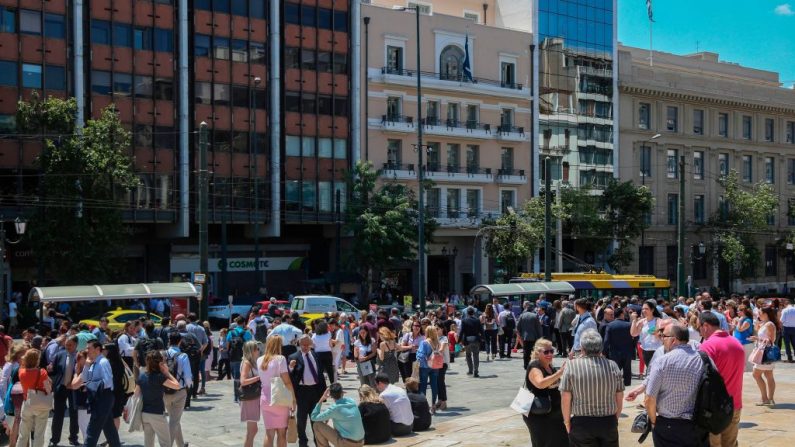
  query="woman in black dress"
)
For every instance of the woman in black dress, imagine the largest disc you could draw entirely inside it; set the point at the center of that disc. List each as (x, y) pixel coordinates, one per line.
(542, 380)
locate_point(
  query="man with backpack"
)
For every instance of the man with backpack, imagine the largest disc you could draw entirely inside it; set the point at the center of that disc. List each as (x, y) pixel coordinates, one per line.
(145, 344)
(235, 339)
(164, 330)
(671, 392)
(259, 327)
(507, 322)
(176, 400)
(191, 346)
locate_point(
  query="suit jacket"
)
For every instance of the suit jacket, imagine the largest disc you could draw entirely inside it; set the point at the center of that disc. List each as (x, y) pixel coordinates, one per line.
(566, 318)
(618, 343)
(470, 327)
(297, 374)
(529, 327)
(59, 369)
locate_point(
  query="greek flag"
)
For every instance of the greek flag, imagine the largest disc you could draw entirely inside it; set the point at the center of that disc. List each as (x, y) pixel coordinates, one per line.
(648, 10)
(467, 66)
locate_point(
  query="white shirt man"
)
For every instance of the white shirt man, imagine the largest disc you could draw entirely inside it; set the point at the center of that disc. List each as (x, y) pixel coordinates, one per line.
(398, 404)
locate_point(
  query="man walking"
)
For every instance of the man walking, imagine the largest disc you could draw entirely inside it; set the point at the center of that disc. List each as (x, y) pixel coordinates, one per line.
(584, 322)
(62, 371)
(197, 330)
(567, 315)
(529, 330)
(469, 336)
(191, 346)
(619, 344)
(507, 323)
(671, 392)
(309, 386)
(179, 367)
(788, 324)
(729, 357)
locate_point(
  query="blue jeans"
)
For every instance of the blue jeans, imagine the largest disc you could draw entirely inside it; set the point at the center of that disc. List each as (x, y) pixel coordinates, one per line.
(235, 366)
(433, 375)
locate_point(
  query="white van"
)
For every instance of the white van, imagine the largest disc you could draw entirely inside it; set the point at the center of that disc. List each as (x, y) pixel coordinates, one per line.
(318, 304)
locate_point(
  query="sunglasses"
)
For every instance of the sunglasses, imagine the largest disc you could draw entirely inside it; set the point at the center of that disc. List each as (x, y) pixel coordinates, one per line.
(548, 351)
(416, 325)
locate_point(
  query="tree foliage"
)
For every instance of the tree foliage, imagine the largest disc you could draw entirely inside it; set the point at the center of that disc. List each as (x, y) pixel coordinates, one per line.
(77, 230)
(383, 221)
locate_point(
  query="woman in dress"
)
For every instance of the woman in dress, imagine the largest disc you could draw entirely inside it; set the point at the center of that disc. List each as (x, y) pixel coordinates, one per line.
(646, 329)
(347, 352)
(364, 352)
(271, 365)
(767, 328)
(9, 378)
(249, 408)
(489, 321)
(542, 380)
(408, 347)
(150, 386)
(337, 343)
(429, 371)
(322, 342)
(387, 354)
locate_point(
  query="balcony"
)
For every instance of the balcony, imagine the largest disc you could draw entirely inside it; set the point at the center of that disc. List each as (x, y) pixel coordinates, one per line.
(398, 171)
(510, 132)
(510, 176)
(463, 218)
(438, 173)
(397, 123)
(444, 81)
(456, 128)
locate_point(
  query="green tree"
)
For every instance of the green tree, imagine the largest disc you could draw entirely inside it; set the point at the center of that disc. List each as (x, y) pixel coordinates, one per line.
(77, 230)
(743, 214)
(383, 222)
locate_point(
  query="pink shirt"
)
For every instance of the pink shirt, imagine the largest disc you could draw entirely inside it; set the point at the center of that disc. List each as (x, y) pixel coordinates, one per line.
(729, 357)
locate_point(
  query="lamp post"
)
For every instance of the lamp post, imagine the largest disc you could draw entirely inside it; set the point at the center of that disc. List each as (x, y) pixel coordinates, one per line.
(701, 249)
(789, 247)
(20, 225)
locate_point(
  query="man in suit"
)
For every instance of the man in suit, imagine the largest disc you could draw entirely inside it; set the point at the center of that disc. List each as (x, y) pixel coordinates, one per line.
(308, 383)
(61, 371)
(469, 335)
(529, 329)
(608, 315)
(619, 344)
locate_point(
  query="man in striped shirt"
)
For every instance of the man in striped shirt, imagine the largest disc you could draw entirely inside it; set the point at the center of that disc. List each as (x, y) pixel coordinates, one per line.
(592, 392)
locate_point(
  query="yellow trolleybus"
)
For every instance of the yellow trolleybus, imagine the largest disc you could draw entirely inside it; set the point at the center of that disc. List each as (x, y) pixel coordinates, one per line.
(598, 285)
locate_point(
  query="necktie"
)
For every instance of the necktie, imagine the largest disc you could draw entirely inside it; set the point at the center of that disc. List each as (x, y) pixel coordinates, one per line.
(69, 370)
(311, 366)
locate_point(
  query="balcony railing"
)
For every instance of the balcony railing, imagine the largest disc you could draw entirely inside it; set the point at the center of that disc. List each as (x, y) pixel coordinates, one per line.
(393, 119)
(450, 123)
(436, 167)
(508, 128)
(453, 78)
(510, 171)
(398, 167)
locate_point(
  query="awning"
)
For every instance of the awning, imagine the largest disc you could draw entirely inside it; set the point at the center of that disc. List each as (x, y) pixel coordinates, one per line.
(113, 292)
(523, 288)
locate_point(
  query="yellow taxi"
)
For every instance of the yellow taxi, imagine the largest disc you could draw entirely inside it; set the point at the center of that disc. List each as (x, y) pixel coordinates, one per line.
(117, 318)
(308, 319)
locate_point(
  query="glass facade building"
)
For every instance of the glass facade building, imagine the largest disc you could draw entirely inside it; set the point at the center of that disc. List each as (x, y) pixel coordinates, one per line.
(576, 91)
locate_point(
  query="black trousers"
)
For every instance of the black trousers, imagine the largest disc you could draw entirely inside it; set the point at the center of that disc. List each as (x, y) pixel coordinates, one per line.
(506, 339)
(194, 370)
(100, 404)
(441, 384)
(61, 398)
(678, 433)
(325, 363)
(625, 365)
(307, 397)
(558, 340)
(527, 349)
(224, 369)
(405, 367)
(594, 432)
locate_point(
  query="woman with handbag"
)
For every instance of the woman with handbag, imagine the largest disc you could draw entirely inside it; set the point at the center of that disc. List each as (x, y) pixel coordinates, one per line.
(37, 395)
(387, 355)
(250, 391)
(441, 404)
(431, 360)
(121, 372)
(408, 348)
(763, 367)
(277, 397)
(150, 385)
(541, 378)
(489, 321)
(364, 352)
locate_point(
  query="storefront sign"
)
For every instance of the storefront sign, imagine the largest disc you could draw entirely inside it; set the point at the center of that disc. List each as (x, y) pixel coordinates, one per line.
(191, 264)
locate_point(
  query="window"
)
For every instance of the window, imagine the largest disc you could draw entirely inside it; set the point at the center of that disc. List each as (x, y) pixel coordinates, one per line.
(771, 267)
(453, 157)
(8, 19)
(473, 203)
(222, 94)
(791, 212)
(508, 74)
(646, 260)
(203, 93)
(790, 137)
(451, 63)
(340, 107)
(340, 63)
(324, 105)
(54, 78)
(292, 57)
(723, 207)
(394, 153)
(644, 116)
(791, 171)
(307, 59)
(453, 203)
(324, 18)
(122, 84)
(507, 200)
(434, 157)
(308, 146)
(472, 116)
(645, 161)
(309, 191)
(256, 52)
(164, 89)
(222, 5)
(506, 160)
(340, 148)
(239, 50)
(8, 73)
(31, 75)
(393, 108)
(341, 21)
(698, 122)
(770, 170)
(240, 7)
(748, 169)
(143, 86)
(452, 114)
(747, 128)
(698, 165)
(672, 121)
(424, 9)
(8, 124)
(394, 59)
(143, 38)
(723, 124)
(122, 35)
(432, 113)
(100, 82)
(292, 13)
(769, 128)
(164, 40)
(221, 48)
(241, 96)
(29, 22)
(292, 146)
(308, 102)
(698, 208)
(673, 209)
(723, 164)
(473, 158)
(100, 32)
(325, 148)
(54, 26)
(323, 61)
(202, 4)
(434, 201)
(506, 119)
(672, 164)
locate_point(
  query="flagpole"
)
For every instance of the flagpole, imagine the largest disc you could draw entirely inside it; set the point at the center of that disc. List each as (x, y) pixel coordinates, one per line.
(651, 46)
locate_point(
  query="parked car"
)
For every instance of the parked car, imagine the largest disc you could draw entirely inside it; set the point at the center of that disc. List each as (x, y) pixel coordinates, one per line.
(262, 307)
(320, 304)
(117, 318)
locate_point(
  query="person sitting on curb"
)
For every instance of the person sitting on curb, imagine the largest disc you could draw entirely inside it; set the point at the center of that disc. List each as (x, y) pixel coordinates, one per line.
(397, 401)
(348, 430)
(419, 405)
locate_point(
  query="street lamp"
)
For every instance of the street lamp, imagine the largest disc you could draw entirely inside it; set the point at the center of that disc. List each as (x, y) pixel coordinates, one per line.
(789, 247)
(20, 225)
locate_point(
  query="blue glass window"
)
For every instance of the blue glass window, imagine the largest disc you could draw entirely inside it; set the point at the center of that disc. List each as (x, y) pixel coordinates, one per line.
(221, 48)
(100, 32)
(54, 78)
(240, 7)
(292, 13)
(222, 5)
(202, 4)
(8, 20)
(122, 84)
(122, 35)
(308, 15)
(143, 38)
(201, 45)
(341, 21)
(100, 82)
(8, 73)
(324, 18)
(54, 26)
(258, 9)
(164, 40)
(31, 75)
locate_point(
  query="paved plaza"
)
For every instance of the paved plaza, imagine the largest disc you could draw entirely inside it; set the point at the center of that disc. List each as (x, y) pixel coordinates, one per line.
(478, 413)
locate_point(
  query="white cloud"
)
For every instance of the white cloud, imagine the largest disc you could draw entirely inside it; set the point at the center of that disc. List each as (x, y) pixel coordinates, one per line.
(784, 9)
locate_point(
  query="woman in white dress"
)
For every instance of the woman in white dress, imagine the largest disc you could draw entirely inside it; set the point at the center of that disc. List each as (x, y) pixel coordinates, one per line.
(767, 326)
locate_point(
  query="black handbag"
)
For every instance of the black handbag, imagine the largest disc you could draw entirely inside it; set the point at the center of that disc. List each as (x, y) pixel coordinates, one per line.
(542, 405)
(251, 391)
(641, 425)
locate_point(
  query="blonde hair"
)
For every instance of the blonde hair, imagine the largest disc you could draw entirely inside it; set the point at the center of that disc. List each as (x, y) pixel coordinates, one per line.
(273, 349)
(432, 336)
(541, 344)
(31, 358)
(248, 351)
(368, 394)
(386, 334)
(17, 351)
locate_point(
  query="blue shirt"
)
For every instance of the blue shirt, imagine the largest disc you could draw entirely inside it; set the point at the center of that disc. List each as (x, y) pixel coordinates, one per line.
(98, 375)
(424, 353)
(742, 336)
(724, 325)
(238, 332)
(184, 375)
(198, 332)
(586, 322)
(346, 416)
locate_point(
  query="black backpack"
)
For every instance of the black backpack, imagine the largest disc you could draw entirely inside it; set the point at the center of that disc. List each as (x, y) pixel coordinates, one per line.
(510, 322)
(714, 406)
(190, 346)
(236, 346)
(173, 368)
(261, 330)
(145, 345)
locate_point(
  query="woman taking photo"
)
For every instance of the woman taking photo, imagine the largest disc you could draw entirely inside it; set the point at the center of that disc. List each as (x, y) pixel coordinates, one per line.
(150, 386)
(646, 329)
(542, 380)
(271, 365)
(767, 328)
(489, 322)
(364, 352)
(431, 360)
(408, 348)
(322, 342)
(387, 355)
(33, 419)
(250, 402)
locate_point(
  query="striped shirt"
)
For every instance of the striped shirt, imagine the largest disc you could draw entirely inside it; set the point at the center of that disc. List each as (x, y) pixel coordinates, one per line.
(674, 382)
(593, 383)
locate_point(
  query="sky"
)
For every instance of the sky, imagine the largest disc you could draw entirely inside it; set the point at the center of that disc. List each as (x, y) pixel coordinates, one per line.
(754, 33)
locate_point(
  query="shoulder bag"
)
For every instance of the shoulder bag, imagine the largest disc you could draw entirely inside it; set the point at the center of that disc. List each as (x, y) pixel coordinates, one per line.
(39, 399)
(526, 403)
(252, 390)
(280, 394)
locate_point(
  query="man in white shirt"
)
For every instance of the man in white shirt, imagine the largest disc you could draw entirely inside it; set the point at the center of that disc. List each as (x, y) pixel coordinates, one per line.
(397, 401)
(788, 323)
(289, 334)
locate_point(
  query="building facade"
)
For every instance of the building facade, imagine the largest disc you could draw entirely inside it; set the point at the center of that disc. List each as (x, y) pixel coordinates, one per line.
(720, 117)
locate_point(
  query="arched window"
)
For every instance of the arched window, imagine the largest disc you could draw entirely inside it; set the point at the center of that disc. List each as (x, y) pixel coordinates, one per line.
(451, 63)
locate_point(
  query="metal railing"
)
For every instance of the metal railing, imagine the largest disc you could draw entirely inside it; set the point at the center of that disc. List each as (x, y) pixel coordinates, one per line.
(510, 171)
(436, 167)
(453, 78)
(508, 128)
(397, 119)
